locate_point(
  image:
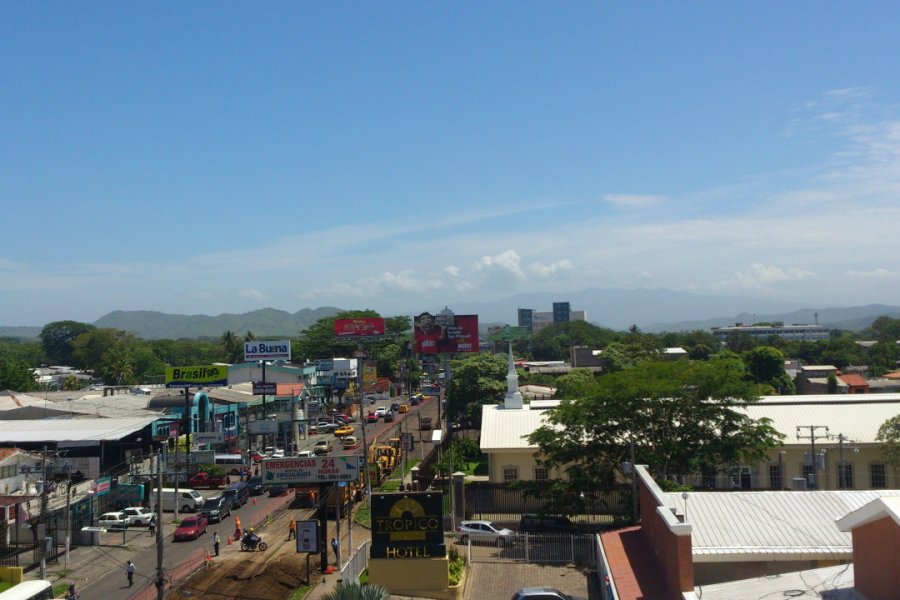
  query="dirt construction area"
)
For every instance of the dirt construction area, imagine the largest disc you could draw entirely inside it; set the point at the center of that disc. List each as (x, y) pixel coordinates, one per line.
(263, 575)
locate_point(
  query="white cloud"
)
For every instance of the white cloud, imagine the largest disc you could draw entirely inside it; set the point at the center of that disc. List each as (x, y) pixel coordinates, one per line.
(760, 276)
(250, 294)
(879, 273)
(508, 262)
(634, 200)
(557, 270)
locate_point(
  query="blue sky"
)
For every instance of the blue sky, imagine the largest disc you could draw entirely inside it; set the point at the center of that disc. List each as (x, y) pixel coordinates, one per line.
(222, 157)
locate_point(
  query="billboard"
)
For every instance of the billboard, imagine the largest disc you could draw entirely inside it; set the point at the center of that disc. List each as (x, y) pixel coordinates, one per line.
(269, 388)
(261, 426)
(267, 350)
(408, 525)
(365, 327)
(315, 469)
(445, 333)
(308, 536)
(196, 376)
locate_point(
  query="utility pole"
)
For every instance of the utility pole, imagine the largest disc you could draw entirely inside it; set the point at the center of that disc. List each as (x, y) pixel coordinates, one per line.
(842, 476)
(812, 437)
(160, 588)
(43, 520)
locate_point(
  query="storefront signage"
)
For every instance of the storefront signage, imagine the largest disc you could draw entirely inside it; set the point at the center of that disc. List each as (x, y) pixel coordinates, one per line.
(196, 376)
(408, 525)
(267, 350)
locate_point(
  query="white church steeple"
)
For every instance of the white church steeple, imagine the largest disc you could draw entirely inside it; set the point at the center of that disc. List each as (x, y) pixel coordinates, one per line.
(513, 397)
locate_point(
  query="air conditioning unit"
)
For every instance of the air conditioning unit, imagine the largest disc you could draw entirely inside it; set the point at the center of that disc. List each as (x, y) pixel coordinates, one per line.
(799, 484)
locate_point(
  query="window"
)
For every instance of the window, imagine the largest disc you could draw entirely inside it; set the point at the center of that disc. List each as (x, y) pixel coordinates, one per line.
(845, 478)
(877, 475)
(541, 474)
(510, 474)
(776, 480)
(708, 478)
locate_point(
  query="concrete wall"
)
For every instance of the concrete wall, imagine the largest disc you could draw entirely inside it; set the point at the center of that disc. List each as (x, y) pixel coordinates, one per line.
(876, 548)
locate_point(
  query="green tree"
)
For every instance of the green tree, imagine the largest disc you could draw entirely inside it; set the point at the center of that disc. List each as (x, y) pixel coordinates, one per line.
(553, 342)
(16, 375)
(832, 383)
(232, 347)
(680, 416)
(71, 383)
(57, 338)
(889, 436)
(578, 383)
(356, 591)
(478, 379)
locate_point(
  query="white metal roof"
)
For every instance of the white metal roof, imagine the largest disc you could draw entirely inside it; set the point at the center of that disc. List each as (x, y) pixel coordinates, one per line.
(70, 430)
(857, 420)
(875, 510)
(505, 428)
(764, 526)
(833, 583)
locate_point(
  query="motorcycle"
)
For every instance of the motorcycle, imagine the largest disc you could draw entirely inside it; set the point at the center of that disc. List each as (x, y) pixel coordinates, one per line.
(252, 542)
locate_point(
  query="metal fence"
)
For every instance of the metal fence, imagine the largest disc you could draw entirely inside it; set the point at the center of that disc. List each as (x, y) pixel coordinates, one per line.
(357, 563)
(536, 548)
(498, 501)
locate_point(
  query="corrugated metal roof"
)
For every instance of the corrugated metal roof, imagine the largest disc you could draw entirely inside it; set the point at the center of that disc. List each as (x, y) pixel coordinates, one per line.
(764, 526)
(832, 399)
(858, 421)
(70, 430)
(504, 429)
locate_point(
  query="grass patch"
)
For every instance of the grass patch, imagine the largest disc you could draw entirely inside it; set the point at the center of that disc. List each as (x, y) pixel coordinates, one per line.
(364, 577)
(300, 592)
(363, 516)
(60, 589)
(391, 485)
(62, 573)
(5, 585)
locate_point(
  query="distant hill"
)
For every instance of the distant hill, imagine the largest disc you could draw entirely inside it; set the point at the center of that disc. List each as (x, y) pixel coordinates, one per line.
(266, 322)
(851, 318)
(24, 333)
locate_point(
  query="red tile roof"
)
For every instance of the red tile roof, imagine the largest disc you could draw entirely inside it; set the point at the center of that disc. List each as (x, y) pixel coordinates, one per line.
(854, 380)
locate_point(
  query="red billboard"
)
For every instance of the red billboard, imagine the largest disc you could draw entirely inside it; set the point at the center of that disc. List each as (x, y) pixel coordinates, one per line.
(365, 327)
(445, 333)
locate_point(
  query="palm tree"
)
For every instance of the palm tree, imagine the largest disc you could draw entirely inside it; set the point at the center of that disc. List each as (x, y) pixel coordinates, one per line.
(355, 591)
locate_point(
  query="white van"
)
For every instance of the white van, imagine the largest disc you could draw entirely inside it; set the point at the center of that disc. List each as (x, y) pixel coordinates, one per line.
(188, 500)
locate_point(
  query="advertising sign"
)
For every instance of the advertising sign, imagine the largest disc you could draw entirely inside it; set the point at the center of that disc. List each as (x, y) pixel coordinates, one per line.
(314, 469)
(268, 388)
(196, 376)
(369, 375)
(262, 427)
(408, 525)
(267, 350)
(308, 536)
(445, 333)
(367, 327)
(208, 437)
(102, 487)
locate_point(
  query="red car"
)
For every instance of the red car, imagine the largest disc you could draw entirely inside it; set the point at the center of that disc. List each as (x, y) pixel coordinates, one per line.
(191, 528)
(371, 418)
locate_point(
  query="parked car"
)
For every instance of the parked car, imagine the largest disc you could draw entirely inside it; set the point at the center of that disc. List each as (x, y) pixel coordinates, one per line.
(531, 523)
(138, 515)
(215, 509)
(424, 423)
(340, 418)
(114, 520)
(255, 486)
(542, 593)
(322, 447)
(326, 427)
(272, 452)
(191, 528)
(205, 480)
(485, 532)
(388, 417)
(305, 454)
(371, 400)
(278, 490)
(238, 493)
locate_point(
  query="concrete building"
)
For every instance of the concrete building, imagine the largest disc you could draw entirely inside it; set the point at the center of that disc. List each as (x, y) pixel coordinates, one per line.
(808, 333)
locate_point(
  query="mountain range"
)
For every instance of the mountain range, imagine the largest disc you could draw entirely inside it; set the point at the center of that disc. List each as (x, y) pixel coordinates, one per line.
(651, 310)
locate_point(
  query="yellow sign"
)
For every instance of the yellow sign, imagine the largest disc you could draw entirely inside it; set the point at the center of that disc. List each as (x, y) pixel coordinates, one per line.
(196, 376)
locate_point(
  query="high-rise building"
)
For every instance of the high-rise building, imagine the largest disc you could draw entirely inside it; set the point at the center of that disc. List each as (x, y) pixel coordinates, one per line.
(526, 318)
(561, 312)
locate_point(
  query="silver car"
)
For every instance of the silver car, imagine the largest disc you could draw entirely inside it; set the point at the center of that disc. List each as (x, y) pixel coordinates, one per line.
(542, 593)
(485, 532)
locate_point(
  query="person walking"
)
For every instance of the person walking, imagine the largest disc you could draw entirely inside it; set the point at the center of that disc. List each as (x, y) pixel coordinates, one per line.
(129, 570)
(292, 530)
(216, 541)
(334, 547)
(152, 525)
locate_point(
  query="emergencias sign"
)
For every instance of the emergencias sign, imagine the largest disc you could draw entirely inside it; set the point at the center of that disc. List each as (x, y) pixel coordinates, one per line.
(196, 376)
(314, 469)
(269, 350)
